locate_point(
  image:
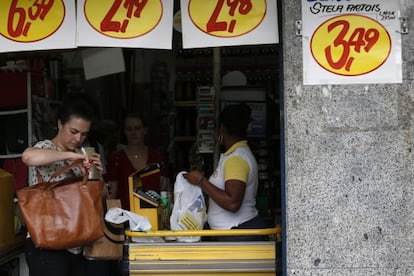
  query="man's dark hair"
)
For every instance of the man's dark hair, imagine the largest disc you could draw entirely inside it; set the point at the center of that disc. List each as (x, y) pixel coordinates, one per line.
(236, 118)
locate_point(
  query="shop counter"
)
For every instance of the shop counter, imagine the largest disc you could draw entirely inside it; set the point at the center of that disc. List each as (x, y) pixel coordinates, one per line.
(241, 258)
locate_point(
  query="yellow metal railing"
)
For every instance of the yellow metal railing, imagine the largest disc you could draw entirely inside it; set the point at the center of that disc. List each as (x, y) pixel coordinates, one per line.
(230, 232)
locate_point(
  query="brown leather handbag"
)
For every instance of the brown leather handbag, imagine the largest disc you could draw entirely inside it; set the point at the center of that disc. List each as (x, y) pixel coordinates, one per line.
(63, 214)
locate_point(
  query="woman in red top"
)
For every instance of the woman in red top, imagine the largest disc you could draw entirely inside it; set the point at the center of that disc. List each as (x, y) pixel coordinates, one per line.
(134, 156)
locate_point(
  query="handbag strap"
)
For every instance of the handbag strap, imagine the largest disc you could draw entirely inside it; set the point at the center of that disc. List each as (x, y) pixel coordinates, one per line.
(108, 225)
(113, 230)
(114, 241)
(38, 176)
(65, 169)
(76, 163)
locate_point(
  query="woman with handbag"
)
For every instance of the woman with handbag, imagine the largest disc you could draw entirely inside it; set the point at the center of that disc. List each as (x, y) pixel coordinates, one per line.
(74, 120)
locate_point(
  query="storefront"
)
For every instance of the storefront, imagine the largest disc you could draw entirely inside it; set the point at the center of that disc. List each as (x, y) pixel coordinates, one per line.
(168, 85)
(346, 187)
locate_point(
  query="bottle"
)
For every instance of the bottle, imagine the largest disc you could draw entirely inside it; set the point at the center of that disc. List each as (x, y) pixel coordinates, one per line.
(94, 173)
(170, 195)
(165, 216)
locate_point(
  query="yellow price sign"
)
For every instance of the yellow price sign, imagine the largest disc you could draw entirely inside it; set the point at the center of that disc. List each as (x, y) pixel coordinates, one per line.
(227, 18)
(123, 18)
(30, 21)
(350, 45)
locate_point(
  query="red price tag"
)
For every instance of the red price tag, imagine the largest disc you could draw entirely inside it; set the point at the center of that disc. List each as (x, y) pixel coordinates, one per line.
(351, 45)
(123, 18)
(29, 21)
(227, 18)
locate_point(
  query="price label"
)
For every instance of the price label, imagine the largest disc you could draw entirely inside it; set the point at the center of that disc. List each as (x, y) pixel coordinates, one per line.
(227, 18)
(123, 18)
(350, 45)
(30, 21)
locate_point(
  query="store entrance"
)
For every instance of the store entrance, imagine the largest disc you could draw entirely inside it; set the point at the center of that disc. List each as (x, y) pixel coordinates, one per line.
(198, 83)
(181, 91)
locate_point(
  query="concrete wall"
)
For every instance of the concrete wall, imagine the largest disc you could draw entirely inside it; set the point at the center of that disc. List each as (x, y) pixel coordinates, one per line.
(349, 168)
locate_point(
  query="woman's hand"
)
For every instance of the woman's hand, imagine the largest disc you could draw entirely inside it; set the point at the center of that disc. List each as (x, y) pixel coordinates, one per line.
(73, 156)
(93, 160)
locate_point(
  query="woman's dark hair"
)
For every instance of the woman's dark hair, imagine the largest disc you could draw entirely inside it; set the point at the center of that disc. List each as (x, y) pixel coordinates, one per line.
(78, 105)
(236, 118)
(136, 116)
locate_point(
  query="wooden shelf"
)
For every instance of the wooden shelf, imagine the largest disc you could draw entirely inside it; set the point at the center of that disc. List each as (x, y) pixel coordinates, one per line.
(25, 110)
(16, 111)
(14, 155)
(185, 103)
(185, 138)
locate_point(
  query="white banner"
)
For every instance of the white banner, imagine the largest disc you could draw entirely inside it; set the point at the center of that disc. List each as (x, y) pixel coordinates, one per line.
(37, 25)
(228, 23)
(125, 23)
(351, 41)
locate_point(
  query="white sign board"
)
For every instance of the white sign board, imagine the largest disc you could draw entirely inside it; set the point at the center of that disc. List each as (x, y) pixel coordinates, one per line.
(351, 41)
(228, 23)
(37, 25)
(98, 62)
(125, 23)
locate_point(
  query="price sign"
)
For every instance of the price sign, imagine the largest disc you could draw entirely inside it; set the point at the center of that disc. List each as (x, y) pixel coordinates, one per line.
(123, 18)
(125, 23)
(354, 41)
(29, 21)
(229, 18)
(228, 22)
(351, 45)
(28, 25)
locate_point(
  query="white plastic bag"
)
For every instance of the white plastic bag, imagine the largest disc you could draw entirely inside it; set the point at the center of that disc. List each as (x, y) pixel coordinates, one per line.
(189, 211)
(136, 222)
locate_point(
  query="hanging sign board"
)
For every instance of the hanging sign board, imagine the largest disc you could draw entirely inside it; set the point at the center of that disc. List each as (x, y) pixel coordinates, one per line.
(351, 41)
(37, 25)
(228, 23)
(125, 23)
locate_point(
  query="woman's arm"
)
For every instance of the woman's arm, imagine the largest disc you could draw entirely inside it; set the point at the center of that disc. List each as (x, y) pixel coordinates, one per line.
(39, 156)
